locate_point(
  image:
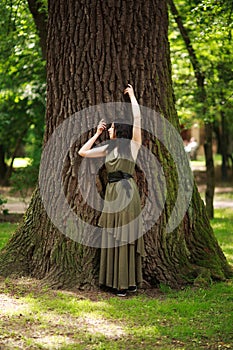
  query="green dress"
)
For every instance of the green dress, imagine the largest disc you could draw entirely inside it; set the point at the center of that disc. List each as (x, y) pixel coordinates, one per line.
(122, 241)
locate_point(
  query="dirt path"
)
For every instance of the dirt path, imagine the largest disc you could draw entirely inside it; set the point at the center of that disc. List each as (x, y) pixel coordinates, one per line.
(24, 326)
(19, 207)
(15, 203)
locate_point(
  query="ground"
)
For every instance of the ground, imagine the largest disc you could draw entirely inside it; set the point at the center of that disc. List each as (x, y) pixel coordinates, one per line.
(23, 325)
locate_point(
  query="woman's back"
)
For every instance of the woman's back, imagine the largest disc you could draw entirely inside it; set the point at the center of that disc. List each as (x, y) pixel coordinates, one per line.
(115, 162)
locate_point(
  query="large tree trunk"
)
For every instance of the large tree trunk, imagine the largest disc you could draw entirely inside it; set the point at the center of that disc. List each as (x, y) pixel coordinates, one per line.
(93, 51)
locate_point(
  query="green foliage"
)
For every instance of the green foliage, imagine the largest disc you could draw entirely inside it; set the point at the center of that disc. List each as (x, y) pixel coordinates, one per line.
(6, 231)
(24, 179)
(209, 23)
(22, 80)
(20, 51)
(2, 202)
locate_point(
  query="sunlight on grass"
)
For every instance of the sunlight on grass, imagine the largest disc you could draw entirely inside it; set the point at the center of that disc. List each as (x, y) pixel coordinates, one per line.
(174, 317)
(6, 230)
(53, 327)
(20, 162)
(12, 306)
(200, 162)
(225, 213)
(223, 229)
(64, 303)
(51, 341)
(224, 196)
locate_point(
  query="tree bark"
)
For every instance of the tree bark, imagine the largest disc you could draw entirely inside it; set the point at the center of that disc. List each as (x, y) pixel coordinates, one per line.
(93, 52)
(200, 79)
(210, 173)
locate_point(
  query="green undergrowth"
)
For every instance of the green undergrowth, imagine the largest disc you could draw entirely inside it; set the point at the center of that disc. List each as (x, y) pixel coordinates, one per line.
(6, 231)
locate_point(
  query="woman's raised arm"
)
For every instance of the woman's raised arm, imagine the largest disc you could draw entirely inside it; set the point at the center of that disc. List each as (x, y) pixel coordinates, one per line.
(137, 134)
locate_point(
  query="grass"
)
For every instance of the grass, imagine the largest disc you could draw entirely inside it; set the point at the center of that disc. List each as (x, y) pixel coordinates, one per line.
(223, 228)
(35, 317)
(6, 230)
(20, 162)
(224, 196)
(201, 160)
(188, 319)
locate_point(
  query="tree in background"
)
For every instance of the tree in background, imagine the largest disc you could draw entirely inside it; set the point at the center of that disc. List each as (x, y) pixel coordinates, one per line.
(208, 46)
(93, 51)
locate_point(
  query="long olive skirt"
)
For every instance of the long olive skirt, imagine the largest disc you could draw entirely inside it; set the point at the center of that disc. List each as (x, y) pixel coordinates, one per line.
(121, 267)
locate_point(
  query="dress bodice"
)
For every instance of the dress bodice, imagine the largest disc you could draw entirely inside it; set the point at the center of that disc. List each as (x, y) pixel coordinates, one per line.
(119, 162)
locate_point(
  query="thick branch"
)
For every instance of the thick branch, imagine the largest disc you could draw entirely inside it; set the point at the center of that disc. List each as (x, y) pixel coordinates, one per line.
(200, 77)
(40, 18)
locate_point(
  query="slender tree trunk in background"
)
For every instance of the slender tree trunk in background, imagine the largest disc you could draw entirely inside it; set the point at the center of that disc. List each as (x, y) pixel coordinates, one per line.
(224, 145)
(13, 155)
(210, 173)
(200, 78)
(93, 52)
(3, 166)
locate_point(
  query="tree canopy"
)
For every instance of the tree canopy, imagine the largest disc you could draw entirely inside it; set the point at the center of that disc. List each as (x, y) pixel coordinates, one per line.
(209, 24)
(22, 69)
(22, 79)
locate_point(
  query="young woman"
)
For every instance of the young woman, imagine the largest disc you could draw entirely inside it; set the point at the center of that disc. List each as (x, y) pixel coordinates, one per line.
(122, 246)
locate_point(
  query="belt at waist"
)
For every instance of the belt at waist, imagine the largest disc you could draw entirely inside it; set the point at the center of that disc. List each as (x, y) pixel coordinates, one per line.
(118, 175)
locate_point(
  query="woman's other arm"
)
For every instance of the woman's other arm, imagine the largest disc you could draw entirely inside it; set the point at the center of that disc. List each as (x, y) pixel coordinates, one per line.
(87, 151)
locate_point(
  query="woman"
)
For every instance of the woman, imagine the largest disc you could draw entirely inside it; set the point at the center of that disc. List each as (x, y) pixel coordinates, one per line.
(122, 246)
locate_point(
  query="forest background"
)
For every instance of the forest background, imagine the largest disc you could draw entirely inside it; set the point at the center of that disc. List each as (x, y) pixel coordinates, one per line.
(22, 110)
(23, 83)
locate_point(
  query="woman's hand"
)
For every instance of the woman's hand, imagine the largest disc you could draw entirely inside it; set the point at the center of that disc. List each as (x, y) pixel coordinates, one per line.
(101, 127)
(87, 151)
(129, 90)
